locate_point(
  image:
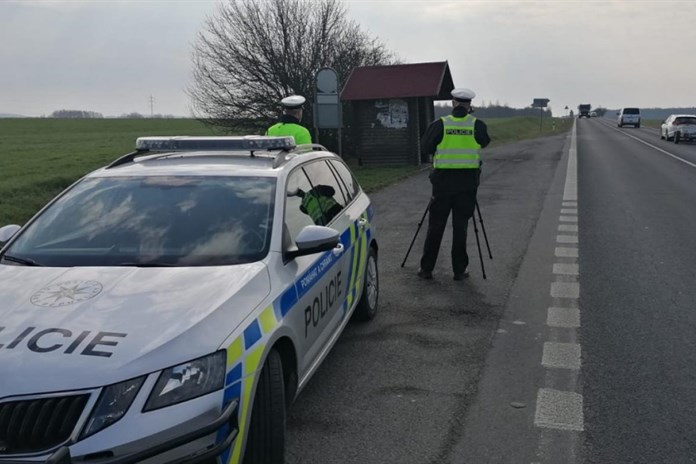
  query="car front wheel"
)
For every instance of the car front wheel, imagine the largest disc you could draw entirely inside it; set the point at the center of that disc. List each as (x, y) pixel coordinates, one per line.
(266, 441)
(367, 306)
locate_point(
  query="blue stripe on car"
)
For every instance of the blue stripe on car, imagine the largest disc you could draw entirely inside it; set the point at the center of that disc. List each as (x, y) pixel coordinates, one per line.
(252, 334)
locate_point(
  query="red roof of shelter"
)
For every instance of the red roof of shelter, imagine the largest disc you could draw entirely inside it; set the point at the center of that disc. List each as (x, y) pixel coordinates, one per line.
(399, 81)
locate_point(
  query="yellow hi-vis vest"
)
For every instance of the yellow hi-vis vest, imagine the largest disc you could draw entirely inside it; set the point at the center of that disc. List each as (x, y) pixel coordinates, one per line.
(458, 149)
(300, 133)
(317, 205)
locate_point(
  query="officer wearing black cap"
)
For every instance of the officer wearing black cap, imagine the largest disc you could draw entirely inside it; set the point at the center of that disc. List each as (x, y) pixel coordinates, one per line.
(289, 123)
(454, 142)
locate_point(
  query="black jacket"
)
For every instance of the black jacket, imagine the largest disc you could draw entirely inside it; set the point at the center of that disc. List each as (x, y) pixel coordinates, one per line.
(452, 181)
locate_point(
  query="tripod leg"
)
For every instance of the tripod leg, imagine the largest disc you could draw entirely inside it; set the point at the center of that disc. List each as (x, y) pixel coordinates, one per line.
(425, 213)
(478, 245)
(483, 228)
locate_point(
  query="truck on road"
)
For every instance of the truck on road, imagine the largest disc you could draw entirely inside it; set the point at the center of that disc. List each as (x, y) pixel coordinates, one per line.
(584, 110)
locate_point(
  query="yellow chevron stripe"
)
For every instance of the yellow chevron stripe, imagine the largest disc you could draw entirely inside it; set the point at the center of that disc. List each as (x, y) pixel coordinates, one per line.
(235, 351)
(268, 320)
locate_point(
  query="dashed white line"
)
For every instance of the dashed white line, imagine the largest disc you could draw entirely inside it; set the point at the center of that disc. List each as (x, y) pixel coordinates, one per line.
(568, 218)
(568, 228)
(564, 252)
(569, 211)
(561, 356)
(565, 289)
(563, 317)
(559, 410)
(566, 269)
(566, 238)
(570, 204)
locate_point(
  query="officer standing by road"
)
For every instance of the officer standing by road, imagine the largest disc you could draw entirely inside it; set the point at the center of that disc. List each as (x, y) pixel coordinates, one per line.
(289, 123)
(455, 142)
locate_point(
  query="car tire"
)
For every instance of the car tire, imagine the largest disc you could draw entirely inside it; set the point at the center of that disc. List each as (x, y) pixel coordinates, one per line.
(266, 440)
(637, 126)
(676, 137)
(662, 135)
(367, 306)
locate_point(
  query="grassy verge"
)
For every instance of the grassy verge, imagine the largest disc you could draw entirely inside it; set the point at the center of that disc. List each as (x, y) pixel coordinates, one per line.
(654, 123)
(507, 130)
(41, 157)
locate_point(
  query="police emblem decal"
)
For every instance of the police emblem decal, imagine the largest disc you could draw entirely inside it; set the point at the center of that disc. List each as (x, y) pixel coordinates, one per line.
(66, 293)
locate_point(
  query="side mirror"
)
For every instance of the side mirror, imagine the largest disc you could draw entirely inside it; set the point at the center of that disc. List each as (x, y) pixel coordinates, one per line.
(617, 113)
(314, 239)
(7, 232)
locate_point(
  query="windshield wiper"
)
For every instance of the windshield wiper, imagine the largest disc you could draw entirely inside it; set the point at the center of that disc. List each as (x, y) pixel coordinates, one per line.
(150, 264)
(25, 261)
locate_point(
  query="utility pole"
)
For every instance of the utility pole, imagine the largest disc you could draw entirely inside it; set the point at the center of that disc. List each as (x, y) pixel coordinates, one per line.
(152, 105)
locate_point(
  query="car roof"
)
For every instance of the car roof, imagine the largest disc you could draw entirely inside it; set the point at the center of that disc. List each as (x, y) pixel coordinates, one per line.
(683, 115)
(207, 158)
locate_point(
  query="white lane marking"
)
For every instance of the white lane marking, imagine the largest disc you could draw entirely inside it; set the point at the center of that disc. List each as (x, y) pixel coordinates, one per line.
(570, 190)
(653, 146)
(568, 318)
(569, 211)
(561, 356)
(564, 252)
(567, 238)
(566, 269)
(570, 204)
(568, 228)
(568, 218)
(559, 410)
(565, 289)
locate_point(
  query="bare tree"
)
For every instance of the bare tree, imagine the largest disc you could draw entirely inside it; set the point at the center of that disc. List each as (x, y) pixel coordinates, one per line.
(254, 53)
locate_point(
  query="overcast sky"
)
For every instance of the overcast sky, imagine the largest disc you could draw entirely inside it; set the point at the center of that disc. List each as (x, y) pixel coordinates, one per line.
(111, 56)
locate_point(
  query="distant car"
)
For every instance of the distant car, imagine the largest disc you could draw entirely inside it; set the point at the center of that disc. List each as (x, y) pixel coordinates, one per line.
(593, 114)
(629, 117)
(679, 127)
(170, 306)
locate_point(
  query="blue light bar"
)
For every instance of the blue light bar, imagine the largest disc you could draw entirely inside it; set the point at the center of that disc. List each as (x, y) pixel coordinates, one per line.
(223, 143)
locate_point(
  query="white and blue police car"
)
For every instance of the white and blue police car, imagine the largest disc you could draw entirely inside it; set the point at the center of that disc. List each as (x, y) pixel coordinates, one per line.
(169, 307)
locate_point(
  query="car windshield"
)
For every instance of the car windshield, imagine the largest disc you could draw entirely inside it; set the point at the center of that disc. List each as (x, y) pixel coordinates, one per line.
(152, 221)
(631, 111)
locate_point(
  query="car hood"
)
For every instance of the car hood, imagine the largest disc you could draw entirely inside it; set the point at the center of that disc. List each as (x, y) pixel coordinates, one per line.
(83, 327)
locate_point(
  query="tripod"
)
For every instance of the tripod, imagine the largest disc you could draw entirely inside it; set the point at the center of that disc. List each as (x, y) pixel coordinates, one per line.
(478, 243)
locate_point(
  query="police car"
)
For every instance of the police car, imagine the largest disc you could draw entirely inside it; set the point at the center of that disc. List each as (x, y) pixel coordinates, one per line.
(169, 307)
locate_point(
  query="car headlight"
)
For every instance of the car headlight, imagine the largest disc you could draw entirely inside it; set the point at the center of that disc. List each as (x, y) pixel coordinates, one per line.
(112, 404)
(188, 380)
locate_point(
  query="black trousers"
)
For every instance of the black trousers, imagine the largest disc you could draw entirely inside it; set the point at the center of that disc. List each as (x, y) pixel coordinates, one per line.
(462, 204)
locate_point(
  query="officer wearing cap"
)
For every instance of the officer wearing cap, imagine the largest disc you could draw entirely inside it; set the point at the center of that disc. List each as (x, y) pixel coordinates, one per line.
(454, 141)
(289, 123)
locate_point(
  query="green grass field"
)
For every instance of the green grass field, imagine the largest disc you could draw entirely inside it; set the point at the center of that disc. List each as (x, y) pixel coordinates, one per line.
(41, 157)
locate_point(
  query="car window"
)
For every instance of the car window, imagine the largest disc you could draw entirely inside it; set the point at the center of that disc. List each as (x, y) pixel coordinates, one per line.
(162, 220)
(631, 111)
(352, 187)
(297, 214)
(326, 194)
(687, 120)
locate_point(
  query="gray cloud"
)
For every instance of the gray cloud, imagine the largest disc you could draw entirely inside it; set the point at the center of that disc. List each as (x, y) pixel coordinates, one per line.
(110, 56)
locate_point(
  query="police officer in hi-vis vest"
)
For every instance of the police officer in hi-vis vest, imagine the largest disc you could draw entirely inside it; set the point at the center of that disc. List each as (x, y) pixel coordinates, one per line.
(454, 142)
(289, 123)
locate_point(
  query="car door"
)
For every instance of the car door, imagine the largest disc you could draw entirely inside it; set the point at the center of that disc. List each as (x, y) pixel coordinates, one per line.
(358, 214)
(319, 279)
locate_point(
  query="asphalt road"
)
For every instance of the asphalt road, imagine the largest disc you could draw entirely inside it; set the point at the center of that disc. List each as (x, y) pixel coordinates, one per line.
(579, 347)
(637, 268)
(399, 389)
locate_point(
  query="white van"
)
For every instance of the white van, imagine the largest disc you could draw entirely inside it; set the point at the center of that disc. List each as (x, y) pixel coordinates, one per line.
(629, 116)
